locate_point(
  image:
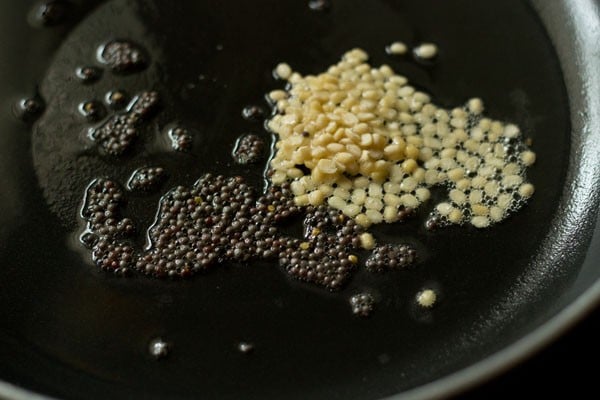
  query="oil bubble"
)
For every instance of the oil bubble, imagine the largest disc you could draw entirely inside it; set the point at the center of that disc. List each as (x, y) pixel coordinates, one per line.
(116, 99)
(92, 110)
(88, 74)
(319, 5)
(28, 109)
(50, 13)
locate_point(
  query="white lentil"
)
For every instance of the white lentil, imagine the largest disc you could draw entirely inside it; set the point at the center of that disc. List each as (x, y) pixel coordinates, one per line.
(455, 216)
(351, 210)
(397, 48)
(475, 106)
(390, 214)
(496, 213)
(526, 190)
(336, 202)
(423, 194)
(457, 196)
(374, 216)
(362, 220)
(426, 50)
(282, 71)
(511, 131)
(316, 197)
(373, 203)
(444, 208)
(367, 241)
(528, 158)
(426, 298)
(480, 222)
(359, 196)
(371, 140)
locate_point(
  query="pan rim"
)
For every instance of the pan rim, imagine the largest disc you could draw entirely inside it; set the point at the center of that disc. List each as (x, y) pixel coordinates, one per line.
(573, 39)
(583, 82)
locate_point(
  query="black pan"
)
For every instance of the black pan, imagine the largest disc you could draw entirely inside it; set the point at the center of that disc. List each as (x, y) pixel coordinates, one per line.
(69, 330)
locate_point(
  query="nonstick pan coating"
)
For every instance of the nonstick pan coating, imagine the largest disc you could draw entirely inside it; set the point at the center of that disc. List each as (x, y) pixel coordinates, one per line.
(70, 331)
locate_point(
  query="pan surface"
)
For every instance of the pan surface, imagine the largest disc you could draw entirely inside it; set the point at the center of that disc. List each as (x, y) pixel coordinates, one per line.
(71, 331)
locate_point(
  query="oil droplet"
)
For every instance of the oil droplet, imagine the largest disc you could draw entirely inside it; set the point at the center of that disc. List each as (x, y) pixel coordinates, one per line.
(362, 304)
(92, 110)
(158, 348)
(319, 5)
(89, 239)
(50, 13)
(253, 113)
(116, 99)
(88, 74)
(245, 347)
(28, 109)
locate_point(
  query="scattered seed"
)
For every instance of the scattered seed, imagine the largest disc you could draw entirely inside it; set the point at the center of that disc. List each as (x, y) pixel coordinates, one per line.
(253, 113)
(92, 110)
(282, 71)
(245, 347)
(28, 109)
(426, 51)
(319, 5)
(158, 348)
(396, 48)
(426, 298)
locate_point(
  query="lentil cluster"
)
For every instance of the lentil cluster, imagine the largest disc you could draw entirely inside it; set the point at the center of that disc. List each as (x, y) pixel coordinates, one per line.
(373, 146)
(221, 219)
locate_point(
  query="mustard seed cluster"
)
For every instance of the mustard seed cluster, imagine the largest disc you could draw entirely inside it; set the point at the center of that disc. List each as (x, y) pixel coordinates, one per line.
(222, 219)
(123, 56)
(374, 146)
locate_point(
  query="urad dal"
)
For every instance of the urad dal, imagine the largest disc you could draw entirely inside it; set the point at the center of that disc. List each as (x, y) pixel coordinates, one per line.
(364, 141)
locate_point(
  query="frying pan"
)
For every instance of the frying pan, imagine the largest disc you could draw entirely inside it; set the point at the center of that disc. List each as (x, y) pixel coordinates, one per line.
(70, 331)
